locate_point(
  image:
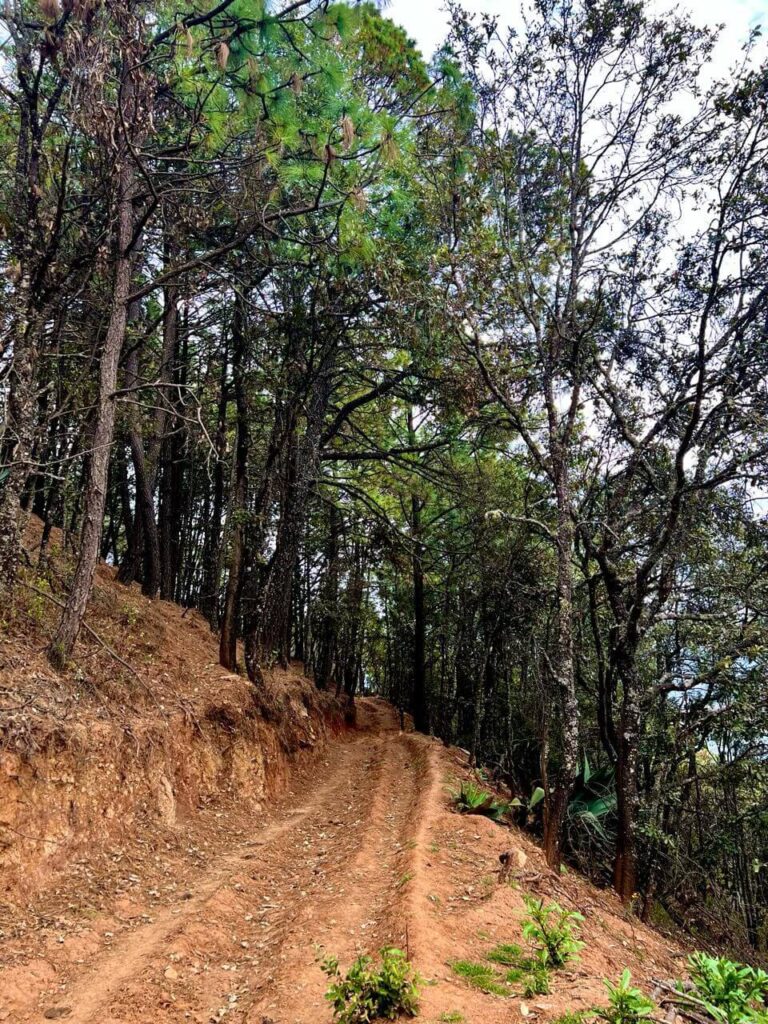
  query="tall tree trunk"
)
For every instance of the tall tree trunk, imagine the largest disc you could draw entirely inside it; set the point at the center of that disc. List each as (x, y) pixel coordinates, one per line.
(18, 435)
(63, 642)
(329, 603)
(171, 520)
(168, 444)
(419, 706)
(562, 672)
(148, 557)
(239, 503)
(211, 575)
(267, 641)
(143, 557)
(353, 604)
(145, 548)
(625, 879)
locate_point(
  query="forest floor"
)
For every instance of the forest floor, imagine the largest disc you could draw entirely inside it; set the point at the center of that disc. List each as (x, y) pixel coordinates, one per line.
(362, 850)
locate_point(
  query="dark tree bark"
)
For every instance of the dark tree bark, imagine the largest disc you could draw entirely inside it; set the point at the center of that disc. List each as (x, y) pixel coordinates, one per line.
(561, 667)
(68, 629)
(353, 632)
(19, 429)
(419, 704)
(625, 872)
(211, 575)
(328, 639)
(239, 504)
(145, 547)
(268, 640)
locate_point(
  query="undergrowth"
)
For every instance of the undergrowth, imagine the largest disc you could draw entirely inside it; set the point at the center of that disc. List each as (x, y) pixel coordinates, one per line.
(508, 954)
(553, 932)
(480, 976)
(719, 992)
(626, 1004)
(371, 992)
(470, 798)
(731, 993)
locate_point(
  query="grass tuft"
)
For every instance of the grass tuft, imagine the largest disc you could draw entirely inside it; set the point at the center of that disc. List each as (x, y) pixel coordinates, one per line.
(508, 954)
(479, 976)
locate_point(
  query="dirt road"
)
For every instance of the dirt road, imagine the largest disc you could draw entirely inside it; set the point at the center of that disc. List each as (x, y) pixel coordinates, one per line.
(329, 871)
(363, 852)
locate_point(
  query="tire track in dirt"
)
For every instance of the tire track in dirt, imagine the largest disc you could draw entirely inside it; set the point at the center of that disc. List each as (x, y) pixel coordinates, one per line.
(131, 957)
(364, 909)
(365, 851)
(331, 872)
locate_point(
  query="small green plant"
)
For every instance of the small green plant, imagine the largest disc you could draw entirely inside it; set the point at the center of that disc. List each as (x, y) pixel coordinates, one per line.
(479, 976)
(536, 981)
(530, 972)
(451, 1017)
(626, 1004)
(130, 613)
(732, 993)
(553, 932)
(470, 798)
(571, 1017)
(535, 798)
(369, 992)
(37, 606)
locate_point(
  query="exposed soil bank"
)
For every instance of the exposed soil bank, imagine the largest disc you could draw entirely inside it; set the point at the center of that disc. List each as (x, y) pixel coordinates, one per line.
(138, 740)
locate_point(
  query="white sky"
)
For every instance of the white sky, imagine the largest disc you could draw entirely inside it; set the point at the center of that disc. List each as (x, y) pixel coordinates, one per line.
(425, 20)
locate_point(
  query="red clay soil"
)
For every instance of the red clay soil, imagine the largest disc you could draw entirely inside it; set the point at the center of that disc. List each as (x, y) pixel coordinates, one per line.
(363, 851)
(142, 733)
(176, 848)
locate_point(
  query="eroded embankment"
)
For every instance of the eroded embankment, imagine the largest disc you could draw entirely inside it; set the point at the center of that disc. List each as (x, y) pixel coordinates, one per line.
(142, 734)
(101, 781)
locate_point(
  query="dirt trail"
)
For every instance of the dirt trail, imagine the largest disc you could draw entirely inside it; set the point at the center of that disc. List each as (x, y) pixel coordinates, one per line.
(364, 852)
(242, 944)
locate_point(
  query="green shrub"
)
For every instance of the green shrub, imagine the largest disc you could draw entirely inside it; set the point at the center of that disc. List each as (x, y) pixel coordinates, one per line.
(626, 1004)
(369, 992)
(553, 932)
(473, 799)
(732, 993)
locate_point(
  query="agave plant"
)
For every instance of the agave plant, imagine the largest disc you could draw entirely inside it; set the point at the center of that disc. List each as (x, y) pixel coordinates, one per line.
(472, 799)
(593, 805)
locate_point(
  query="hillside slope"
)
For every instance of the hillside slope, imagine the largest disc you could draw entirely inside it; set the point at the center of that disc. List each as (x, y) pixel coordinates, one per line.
(175, 847)
(363, 851)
